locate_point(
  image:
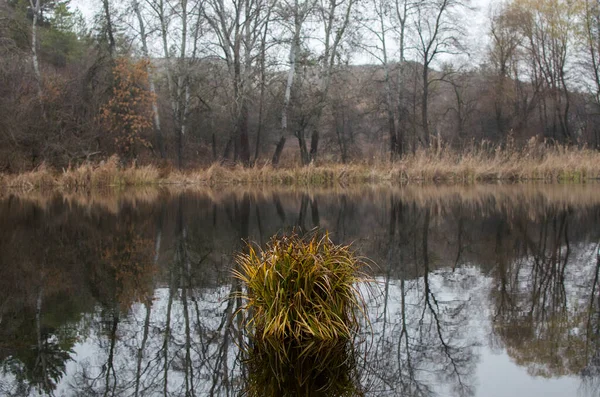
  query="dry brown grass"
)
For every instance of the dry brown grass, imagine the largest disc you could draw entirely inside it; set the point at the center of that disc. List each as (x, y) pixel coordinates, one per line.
(535, 162)
(105, 174)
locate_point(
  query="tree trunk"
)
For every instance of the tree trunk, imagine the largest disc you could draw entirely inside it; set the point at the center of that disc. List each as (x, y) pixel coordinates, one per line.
(166, 54)
(180, 147)
(288, 87)
(160, 12)
(425, 104)
(263, 76)
(330, 54)
(388, 89)
(340, 131)
(260, 124)
(565, 114)
(34, 55)
(157, 130)
(304, 156)
(183, 89)
(109, 28)
(314, 145)
(243, 135)
(392, 133)
(414, 126)
(402, 15)
(240, 133)
(214, 147)
(278, 150)
(227, 150)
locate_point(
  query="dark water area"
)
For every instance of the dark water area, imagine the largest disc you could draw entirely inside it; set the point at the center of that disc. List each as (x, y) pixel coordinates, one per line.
(482, 291)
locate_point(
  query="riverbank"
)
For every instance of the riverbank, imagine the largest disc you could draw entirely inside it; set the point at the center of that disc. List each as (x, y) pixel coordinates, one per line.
(556, 164)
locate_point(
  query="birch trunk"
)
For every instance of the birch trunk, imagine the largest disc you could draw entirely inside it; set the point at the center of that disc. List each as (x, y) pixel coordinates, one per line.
(34, 55)
(157, 129)
(159, 9)
(288, 86)
(183, 93)
(330, 55)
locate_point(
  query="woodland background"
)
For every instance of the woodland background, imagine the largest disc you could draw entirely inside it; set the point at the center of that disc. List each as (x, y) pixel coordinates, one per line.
(191, 82)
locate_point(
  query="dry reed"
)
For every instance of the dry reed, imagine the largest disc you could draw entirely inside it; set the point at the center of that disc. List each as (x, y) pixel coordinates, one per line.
(534, 162)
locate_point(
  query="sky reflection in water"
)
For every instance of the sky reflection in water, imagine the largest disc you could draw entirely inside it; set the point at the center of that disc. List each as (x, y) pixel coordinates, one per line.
(483, 291)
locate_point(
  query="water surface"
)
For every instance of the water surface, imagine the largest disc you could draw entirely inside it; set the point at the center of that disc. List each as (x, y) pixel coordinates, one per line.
(481, 291)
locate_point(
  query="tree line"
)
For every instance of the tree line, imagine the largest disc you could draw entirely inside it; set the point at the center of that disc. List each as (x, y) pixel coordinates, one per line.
(269, 81)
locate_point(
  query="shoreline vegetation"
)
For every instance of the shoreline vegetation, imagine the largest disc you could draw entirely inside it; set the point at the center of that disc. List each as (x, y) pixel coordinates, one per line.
(550, 165)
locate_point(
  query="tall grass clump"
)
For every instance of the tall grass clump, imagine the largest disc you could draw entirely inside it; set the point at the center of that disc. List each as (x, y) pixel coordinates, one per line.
(302, 312)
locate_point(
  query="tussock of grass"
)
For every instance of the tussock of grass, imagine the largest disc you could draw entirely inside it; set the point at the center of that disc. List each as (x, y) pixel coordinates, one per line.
(302, 311)
(301, 289)
(535, 162)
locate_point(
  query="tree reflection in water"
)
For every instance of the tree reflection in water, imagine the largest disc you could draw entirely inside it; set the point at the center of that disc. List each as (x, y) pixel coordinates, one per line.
(129, 298)
(545, 300)
(418, 334)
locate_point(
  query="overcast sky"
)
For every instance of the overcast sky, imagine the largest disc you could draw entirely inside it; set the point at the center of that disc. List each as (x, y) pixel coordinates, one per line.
(476, 25)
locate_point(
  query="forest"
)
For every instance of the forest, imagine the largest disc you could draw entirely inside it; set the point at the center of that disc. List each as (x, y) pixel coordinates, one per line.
(190, 83)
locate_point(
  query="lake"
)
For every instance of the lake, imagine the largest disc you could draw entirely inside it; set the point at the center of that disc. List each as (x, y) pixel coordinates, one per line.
(478, 291)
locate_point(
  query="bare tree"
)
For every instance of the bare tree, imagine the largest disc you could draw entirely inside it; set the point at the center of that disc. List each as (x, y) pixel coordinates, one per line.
(503, 52)
(548, 29)
(143, 38)
(263, 76)
(172, 14)
(591, 57)
(517, 88)
(239, 26)
(297, 12)
(438, 31)
(380, 27)
(462, 83)
(404, 10)
(336, 17)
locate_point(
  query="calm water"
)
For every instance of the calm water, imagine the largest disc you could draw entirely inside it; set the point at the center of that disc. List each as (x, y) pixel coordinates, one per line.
(488, 291)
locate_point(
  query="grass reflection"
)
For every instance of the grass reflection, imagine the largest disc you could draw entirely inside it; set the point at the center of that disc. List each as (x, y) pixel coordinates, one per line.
(327, 369)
